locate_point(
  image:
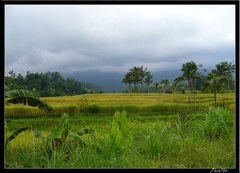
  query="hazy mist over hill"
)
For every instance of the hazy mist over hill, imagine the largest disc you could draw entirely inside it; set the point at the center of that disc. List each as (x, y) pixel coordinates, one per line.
(112, 81)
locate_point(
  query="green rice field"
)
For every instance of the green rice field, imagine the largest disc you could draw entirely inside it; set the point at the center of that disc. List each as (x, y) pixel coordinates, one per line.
(134, 130)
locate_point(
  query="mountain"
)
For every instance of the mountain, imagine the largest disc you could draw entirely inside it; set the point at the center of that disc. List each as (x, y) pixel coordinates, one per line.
(167, 74)
(112, 81)
(108, 81)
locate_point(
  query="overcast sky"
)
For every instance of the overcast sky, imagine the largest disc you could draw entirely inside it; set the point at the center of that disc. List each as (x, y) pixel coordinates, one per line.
(68, 38)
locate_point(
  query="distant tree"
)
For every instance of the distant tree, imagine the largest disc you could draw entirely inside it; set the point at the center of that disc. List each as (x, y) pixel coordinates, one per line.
(189, 70)
(136, 76)
(195, 76)
(128, 80)
(165, 83)
(148, 80)
(20, 82)
(12, 74)
(48, 84)
(59, 83)
(199, 82)
(180, 87)
(9, 82)
(214, 84)
(33, 80)
(143, 73)
(156, 86)
(218, 78)
(225, 69)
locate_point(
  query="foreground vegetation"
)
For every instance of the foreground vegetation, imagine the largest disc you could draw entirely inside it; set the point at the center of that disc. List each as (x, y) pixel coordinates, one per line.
(197, 140)
(156, 131)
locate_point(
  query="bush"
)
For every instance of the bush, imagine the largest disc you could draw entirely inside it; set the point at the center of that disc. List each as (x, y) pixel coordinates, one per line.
(94, 109)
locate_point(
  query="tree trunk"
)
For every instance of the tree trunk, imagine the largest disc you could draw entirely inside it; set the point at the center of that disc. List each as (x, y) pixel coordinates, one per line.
(194, 89)
(189, 88)
(215, 99)
(188, 96)
(129, 87)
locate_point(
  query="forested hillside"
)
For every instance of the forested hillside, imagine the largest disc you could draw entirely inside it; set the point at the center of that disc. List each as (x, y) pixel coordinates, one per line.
(48, 84)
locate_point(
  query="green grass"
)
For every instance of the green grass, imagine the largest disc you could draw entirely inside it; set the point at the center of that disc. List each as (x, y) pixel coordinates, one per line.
(159, 141)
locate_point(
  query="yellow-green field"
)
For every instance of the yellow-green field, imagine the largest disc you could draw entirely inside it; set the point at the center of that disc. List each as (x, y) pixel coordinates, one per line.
(202, 138)
(131, 102)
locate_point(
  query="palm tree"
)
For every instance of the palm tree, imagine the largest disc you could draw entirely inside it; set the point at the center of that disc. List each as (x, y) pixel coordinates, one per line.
(189, 74)
(128, 80)
(12, 74)
(148, 80)
(196, 75)
(156, 86)
(135, 76)
(165, 83)
(214, 84)
(225, 69)
(143, 74)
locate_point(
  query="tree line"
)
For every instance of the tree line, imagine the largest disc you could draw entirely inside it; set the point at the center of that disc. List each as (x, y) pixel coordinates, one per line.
(49, 84)
(217, 80)
(139, 79)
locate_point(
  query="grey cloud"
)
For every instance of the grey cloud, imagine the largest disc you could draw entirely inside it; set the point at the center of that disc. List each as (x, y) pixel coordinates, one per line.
(47, 38)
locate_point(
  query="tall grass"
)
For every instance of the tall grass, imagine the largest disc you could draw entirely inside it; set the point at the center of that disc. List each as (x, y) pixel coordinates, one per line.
(197, 140)
(217, 123)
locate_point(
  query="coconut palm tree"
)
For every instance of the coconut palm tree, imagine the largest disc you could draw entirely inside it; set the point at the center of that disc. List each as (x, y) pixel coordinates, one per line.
(143, 74)
(189, 74)
(135, 76)
(148, 80)
(128, 80)
(214, 84)
(225, 69)
(156, 86)
(165, 83)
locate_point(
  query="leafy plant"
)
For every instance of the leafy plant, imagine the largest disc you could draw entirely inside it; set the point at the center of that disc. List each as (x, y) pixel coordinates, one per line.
(26, 97)
(13, 135)
(60, 137)
(118, 138)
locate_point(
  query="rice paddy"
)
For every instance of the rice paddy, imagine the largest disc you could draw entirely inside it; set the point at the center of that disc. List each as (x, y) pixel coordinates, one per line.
(161, 131)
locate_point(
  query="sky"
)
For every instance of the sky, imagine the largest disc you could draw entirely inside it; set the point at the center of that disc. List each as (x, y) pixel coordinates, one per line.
(115, 38)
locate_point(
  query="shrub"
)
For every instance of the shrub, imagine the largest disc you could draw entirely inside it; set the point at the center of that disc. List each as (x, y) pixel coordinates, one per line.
(94, 109)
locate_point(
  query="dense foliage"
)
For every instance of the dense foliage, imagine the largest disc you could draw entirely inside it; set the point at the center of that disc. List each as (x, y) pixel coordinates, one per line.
(48, 84)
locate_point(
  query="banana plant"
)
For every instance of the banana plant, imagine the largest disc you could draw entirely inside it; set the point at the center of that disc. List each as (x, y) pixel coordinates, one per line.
(13, 135)
(24, 97)
(119, 137)
(60, 137)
